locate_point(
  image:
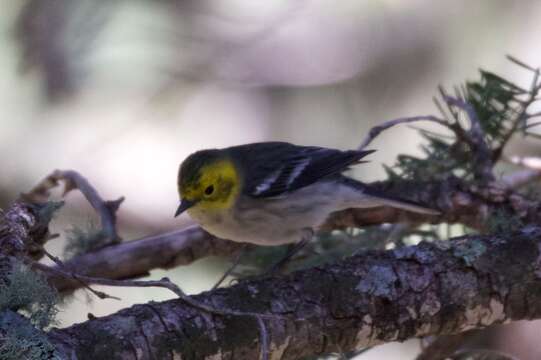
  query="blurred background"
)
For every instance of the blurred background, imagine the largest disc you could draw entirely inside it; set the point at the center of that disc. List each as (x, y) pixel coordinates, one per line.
(122, 91)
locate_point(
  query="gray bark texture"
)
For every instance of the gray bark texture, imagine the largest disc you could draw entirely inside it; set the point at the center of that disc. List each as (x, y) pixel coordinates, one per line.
(367, 299)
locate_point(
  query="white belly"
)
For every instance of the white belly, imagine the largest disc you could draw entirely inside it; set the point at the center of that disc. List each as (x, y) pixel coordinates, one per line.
(281, 220)
(250, 227)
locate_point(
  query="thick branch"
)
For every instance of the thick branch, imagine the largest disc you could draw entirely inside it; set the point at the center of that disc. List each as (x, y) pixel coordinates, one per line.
(372, 298)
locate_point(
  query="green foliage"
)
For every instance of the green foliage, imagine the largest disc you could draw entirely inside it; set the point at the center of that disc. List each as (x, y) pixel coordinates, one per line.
(28, 292)
(499, 110)
(442, 159)
(496, 102)
(20, 340)
(81, 240)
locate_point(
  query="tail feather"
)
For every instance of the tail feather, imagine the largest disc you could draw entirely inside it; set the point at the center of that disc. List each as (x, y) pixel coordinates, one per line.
(383, 199)
(404, 204)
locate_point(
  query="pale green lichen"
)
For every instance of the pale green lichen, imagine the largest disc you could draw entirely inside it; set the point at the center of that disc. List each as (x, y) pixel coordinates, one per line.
(27, 292)
(81, 240)
(21, 340)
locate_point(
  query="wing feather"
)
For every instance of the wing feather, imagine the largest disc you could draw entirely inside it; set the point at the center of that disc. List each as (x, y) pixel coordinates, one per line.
(275, 168)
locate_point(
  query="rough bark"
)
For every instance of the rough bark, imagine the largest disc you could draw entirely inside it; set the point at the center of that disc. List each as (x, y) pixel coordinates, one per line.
(22, 230)
(374, 297)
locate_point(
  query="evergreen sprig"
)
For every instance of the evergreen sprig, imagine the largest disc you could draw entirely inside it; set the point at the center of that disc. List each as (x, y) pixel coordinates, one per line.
(499, 110)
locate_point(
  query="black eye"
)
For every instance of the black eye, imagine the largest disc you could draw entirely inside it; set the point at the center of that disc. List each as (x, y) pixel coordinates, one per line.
(209, 190)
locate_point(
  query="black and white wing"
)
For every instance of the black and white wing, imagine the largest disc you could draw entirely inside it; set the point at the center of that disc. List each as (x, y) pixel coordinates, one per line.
(276, 168)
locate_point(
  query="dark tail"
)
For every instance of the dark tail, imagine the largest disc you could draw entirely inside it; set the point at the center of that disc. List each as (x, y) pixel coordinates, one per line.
(389, 200)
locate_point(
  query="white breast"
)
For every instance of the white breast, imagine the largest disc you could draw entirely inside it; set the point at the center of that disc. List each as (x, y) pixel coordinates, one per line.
(280, 220)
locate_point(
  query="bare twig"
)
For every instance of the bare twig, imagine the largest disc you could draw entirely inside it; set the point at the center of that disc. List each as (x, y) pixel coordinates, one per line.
(454, 124)
(231, 268)
(60, 268)
(431, 133)
(166, 284)
(100, 294)
(376, 130)
(264, 338)
(475, 137)
(520, 63)
(73, 180)
(476, 129)
(163, 283)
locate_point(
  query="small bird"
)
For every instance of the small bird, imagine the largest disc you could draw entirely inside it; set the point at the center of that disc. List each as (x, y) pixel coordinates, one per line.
(274, 193)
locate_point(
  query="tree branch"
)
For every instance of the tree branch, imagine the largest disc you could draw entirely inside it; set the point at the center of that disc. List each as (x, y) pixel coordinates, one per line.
(459, 204)
(133, 259)
(375, 297)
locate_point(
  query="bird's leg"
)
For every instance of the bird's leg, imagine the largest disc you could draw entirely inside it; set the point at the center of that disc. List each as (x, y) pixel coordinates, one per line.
(235, 263)
(307, 235)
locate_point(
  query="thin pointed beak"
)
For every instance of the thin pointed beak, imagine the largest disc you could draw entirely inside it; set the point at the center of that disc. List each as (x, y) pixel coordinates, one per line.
(184, 205)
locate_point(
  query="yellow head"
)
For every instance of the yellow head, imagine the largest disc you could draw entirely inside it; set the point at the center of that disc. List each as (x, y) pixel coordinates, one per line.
(207, 180)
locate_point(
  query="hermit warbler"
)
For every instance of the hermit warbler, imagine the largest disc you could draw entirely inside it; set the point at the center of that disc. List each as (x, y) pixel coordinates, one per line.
(271, 193)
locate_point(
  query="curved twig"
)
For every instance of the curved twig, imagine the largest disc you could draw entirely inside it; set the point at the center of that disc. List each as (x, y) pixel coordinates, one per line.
(376, 130)
(73, 180)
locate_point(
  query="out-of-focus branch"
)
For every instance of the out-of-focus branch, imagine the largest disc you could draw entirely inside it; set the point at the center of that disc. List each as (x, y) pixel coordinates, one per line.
(371, 298)
(73, 180)
(137, 258)
(530, 162)
(459, 204)
(521, 178)
(532, 171)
